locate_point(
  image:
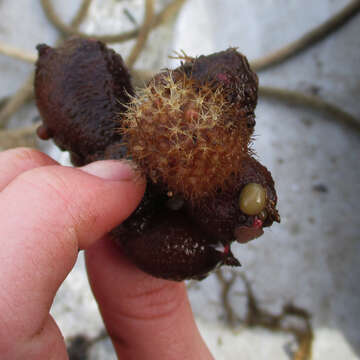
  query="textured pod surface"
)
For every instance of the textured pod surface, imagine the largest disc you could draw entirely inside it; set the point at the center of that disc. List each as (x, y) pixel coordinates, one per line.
(80, 90)
(220, 215)
(231, 71)
(175, 238)
(190, 128)
(173, 249)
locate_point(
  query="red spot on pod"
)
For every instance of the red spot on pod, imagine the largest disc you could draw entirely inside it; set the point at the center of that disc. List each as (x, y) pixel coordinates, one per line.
(257, 224)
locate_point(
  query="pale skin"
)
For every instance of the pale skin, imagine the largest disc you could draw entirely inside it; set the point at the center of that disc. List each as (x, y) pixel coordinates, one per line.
(49, 212)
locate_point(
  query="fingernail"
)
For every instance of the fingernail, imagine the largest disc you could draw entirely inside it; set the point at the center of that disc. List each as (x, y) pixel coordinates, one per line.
(115, 170)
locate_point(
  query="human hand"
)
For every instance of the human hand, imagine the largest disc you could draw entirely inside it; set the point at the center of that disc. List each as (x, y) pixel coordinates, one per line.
(49, 212)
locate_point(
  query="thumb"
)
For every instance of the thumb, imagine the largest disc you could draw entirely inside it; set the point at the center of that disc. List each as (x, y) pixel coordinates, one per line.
(48, 214)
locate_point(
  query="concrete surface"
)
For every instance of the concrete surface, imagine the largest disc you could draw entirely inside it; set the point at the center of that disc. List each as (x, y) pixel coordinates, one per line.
(311, 259)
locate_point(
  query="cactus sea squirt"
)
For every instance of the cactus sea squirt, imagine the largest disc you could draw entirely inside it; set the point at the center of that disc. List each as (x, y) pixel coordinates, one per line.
(188, 130)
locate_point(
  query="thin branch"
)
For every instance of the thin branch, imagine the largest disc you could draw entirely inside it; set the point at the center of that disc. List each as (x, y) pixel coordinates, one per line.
(81, 14)
(143, 34)
(22, 55)
(69, 30)
(130, 16)
(78, 18)
(168, 12)
(17, 53)
(3, 101)
(298, 98)
(258, 317)
(26, 91)
(309, 38)
(227, 284)
(24, 136)
(15, 102)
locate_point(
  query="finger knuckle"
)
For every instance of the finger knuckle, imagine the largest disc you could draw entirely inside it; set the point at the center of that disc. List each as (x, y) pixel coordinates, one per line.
(24, 154)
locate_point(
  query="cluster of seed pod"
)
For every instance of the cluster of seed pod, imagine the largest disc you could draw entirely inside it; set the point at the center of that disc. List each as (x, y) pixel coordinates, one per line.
(188, 131)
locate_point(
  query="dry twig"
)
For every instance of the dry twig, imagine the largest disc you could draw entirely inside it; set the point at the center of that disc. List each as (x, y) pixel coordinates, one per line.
(69, 30)
(25, 93)
(143, 34)
(3, 102)
(309, 38)
(225, 296)
(81, 14)
(24, 136)
(298, 98)
(258, 317)
(17, 53)
(31, 58)
(16, 101)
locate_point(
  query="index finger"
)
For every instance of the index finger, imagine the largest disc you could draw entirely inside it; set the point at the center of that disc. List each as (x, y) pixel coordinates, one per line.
(14, 162)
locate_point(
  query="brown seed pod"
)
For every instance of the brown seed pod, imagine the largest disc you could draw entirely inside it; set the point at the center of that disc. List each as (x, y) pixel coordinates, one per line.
(172, 248)
(220, 215)
(80, 89)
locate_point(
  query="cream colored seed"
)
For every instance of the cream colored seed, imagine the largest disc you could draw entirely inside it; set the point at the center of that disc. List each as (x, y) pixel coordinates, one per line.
(252, 199)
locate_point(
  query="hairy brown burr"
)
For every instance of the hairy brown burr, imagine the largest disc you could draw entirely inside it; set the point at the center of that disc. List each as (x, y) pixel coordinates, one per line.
(190, 128)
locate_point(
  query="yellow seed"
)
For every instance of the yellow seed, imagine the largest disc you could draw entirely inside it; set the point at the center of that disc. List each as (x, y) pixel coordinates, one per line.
(252, 199)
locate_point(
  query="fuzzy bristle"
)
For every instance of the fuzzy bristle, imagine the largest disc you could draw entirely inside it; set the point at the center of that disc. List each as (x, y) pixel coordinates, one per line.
(185, 136)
